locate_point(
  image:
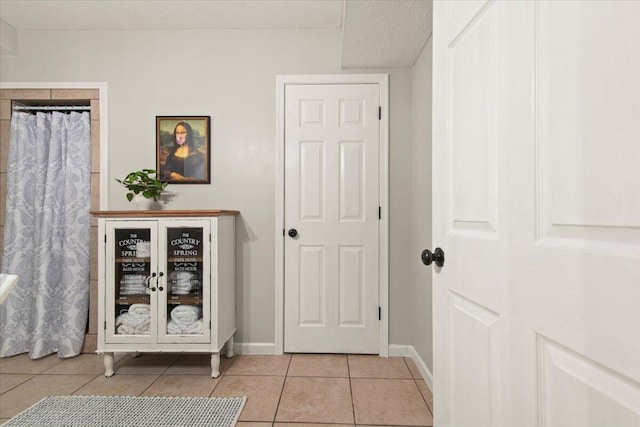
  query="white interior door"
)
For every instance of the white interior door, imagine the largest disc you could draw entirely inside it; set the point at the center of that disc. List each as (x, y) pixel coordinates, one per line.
(331, 201)
(537, 206)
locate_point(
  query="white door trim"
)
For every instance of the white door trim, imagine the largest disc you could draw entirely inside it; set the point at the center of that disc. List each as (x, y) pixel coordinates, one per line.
(383, 229)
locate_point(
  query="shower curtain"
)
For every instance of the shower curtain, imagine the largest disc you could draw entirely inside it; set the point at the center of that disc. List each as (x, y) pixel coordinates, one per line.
(46, 234)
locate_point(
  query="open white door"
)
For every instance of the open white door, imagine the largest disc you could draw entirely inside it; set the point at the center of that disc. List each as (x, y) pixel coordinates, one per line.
(537, 206)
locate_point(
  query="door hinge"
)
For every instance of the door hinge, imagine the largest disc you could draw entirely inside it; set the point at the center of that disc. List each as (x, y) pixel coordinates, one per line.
(209, 324)
(105, 325)
(105, 238)
(209, 237)
(283, 231)
(379, 313)
(379, 113)
(379, 212)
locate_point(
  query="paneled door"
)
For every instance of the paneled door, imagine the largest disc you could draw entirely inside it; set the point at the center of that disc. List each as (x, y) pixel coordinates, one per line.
(537, 207)
(331, 218)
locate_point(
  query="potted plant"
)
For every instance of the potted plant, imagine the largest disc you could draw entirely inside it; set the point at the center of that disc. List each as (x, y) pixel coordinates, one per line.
(144, 188)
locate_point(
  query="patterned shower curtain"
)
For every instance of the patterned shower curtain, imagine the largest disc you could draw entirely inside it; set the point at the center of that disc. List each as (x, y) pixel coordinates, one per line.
(46, 234)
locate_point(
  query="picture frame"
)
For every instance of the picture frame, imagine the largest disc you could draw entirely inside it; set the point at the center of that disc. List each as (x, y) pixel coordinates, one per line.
(183, 149)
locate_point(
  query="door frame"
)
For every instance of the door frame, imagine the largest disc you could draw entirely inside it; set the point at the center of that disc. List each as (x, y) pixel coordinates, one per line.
(382, 80)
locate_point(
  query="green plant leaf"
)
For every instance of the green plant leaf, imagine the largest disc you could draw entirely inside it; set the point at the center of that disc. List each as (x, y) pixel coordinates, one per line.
(143, 182)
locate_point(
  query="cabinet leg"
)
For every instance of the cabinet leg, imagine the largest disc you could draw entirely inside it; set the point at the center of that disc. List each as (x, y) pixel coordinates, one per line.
(215, 365)
(108, 365)
(229, 353)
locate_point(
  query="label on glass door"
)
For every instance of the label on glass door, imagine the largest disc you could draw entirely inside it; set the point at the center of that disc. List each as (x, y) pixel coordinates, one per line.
(184, 280)
(132, 271)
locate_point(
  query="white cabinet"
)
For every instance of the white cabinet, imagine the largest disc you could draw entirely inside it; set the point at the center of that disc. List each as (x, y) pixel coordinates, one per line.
(167, 283)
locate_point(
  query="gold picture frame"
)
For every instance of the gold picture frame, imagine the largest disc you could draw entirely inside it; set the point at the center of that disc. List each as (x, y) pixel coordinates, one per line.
(183, 149)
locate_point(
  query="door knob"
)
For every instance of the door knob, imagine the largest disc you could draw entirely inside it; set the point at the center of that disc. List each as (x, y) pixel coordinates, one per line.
(293, 232)
(436, 256)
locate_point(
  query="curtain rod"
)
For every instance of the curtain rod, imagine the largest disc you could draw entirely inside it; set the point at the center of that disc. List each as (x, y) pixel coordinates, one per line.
(52, 107)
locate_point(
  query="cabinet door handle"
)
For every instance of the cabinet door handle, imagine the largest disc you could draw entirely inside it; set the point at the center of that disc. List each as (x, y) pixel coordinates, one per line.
(153, 276)
(160, 288)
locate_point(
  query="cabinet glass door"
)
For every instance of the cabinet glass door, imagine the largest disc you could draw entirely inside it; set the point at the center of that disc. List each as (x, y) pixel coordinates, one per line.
(187, 278)
(131, 282)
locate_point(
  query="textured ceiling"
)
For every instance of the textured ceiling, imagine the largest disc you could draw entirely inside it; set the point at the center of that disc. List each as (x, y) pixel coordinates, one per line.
(376, 33)
(385, 33)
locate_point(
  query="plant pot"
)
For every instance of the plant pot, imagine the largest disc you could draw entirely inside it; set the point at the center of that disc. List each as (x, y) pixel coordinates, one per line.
(144, 204)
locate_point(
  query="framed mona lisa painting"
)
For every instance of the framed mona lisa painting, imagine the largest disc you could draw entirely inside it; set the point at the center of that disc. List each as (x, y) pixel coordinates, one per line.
(183, 146)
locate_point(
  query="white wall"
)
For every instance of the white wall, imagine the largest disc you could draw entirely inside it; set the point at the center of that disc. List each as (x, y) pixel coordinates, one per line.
(230, 76)
(421, 318)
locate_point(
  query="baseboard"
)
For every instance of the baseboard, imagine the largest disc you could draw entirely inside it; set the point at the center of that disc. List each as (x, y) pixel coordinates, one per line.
(254, 348)
(396, 350)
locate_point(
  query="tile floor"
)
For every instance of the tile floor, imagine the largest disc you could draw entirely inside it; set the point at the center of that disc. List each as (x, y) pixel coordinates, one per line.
(282, 391)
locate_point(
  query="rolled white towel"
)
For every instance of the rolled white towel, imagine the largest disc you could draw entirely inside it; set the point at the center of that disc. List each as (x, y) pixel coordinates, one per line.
(124, 329)
(185, 315)
(194, 328)
(173, 328)
(143, 328)
(140, 309)
(134, 321)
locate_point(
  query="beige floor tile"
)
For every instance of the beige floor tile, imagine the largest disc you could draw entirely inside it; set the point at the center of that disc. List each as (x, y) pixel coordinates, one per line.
(426, 393)
(9, 381)
(316, 400)
(81, 364)
(318, 365)
(263, 394)
(22, 364)
(182, 385)
(260, 365)
(389, 401)
(146, 363)
(196, 364)
(118, 385)
(361, 366)
(316, 389)
(310, 425)
(415, 372)
(374, 425)
(26, 394)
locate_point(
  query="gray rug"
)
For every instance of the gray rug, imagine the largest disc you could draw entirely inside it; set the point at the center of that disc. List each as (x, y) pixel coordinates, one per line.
(99, 411)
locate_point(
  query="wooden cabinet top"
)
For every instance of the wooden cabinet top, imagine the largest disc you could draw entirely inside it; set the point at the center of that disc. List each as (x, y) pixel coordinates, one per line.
(163, 213)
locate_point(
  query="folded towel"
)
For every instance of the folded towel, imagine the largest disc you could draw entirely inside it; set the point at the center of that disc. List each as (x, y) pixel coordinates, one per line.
(173, 328)
(140, 309)
(132, 279)
(183, 282)
(143, 328)
(134, 321)
(185, 315)
(124, 329)
(193, 329)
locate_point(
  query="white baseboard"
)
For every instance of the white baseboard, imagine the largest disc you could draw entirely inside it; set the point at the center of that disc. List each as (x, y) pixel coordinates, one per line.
(254, 348)
(396, 350)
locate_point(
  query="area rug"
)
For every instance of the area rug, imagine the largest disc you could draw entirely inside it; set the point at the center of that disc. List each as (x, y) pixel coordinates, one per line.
(103, 411)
